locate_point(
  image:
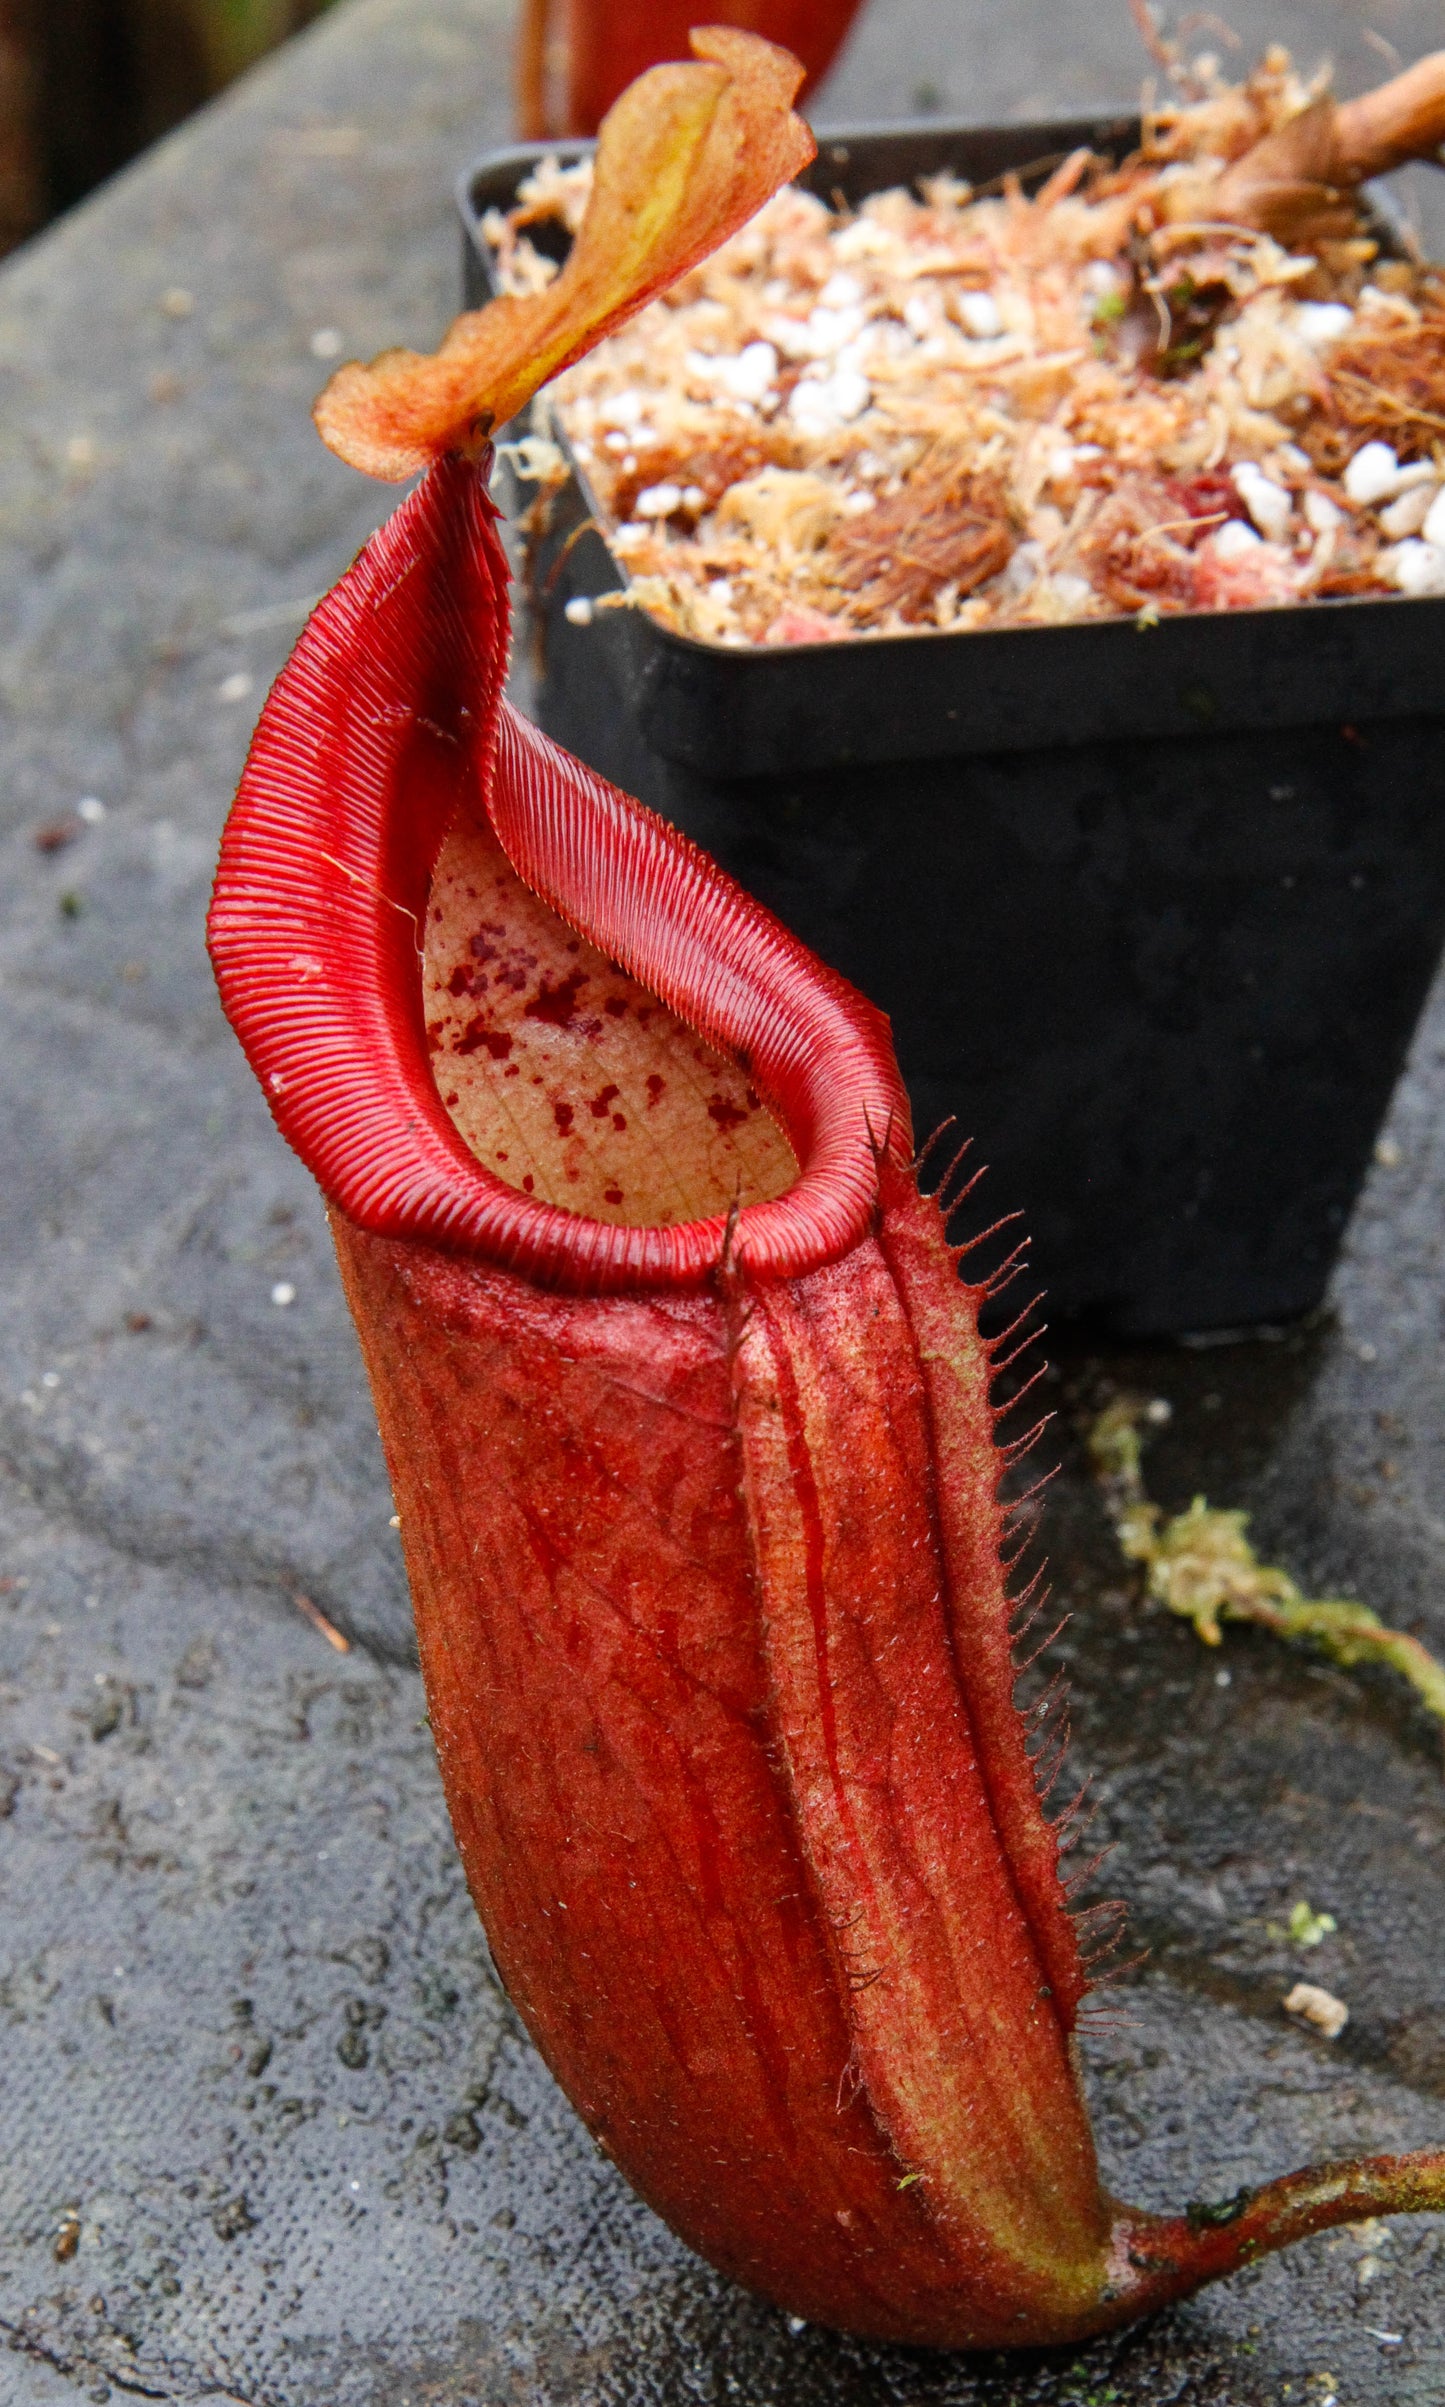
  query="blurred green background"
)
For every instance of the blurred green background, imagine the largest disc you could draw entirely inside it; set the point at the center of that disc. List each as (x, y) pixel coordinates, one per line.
(85, 84)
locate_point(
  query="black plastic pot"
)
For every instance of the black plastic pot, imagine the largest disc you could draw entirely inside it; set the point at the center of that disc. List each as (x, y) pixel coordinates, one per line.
(1153, 912)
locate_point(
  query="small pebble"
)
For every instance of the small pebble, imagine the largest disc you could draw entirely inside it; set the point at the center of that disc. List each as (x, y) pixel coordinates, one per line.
(578, 612)
(1409, 512)
(749, 376)
(1432, 525)
(236, 687)
(1026, 565)
(1387, 1154)
(283, 1292)
(828, 331)
(627, 409)
(1416, 568)
(1267, 503)
(979, 315)
(1326, 2014)
(328, 342)
(851, 393)
(821, 404)
(1372, 475)
(91, 809)
(1322, 322)
(1234, 540)
(176, 302)
(658, 501)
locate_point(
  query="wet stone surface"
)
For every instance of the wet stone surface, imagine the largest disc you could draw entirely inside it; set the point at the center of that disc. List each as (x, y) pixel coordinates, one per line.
(270, 2133)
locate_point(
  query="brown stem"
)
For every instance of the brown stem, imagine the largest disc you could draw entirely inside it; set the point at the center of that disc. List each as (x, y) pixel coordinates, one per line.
(1296, 183)
(1165, 2258)
(1401, 120)
(1291, 184)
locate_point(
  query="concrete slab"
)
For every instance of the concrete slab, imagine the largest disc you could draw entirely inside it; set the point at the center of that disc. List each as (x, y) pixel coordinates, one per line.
(271, 2134)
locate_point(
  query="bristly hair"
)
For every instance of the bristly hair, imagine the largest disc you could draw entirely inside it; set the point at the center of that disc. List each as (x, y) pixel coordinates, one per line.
(1081, 1879)
(1019, 1507)
(1101, 1922)
(1002, 1336)
(1031, 1601)
(1046, 1719)
(1104, 2015)
(926, 1150)
(1002, 1411)
(971, 1245)
(1043, 1646)
(1031, 1337)
(948, 1203)
(1072, 1823)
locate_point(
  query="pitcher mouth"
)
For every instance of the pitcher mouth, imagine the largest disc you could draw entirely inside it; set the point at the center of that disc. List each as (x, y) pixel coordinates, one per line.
(386, 725)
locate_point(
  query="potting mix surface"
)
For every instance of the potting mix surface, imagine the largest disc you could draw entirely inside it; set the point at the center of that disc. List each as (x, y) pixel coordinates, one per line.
(950, 409)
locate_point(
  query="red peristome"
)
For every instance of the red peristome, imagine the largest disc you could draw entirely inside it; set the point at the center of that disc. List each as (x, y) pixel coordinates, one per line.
(607, 46)
(704, 1536)
(387, 721)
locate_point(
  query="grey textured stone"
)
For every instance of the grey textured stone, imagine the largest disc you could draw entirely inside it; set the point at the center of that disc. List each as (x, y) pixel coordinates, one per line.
(255, 2077)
